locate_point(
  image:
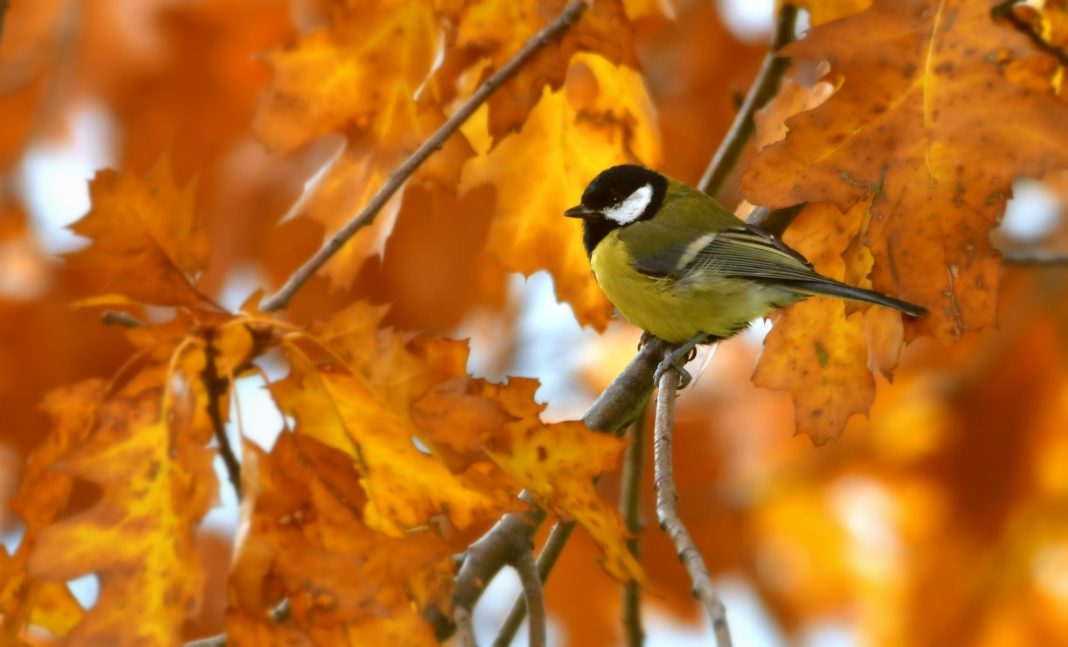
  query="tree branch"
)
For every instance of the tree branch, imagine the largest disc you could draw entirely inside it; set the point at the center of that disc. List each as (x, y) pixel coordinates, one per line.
(764, 88)
(523, 562)
(774, 222)
(670, 523)
(554, 545)
(630, 505)
(616, 407)
(401, 174)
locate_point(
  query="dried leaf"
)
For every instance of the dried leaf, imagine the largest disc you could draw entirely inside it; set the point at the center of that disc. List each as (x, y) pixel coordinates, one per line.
(914, 72)
(147, 243)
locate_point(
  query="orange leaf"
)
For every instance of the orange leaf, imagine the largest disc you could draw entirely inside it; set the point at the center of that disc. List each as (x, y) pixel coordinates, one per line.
(359, 76)
(926, 122)
(558, 462)
(497, 29)
(42, 497)
(815, 351)
(157, 486)
(602, 119)
(344, 581)
(146, 240)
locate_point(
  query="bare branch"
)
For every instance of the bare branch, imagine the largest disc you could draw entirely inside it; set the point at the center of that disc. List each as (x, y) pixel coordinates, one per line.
(630, 505)
(764, 88)
(524, 564)
(401, 174)
(554, 545)
(670, 523)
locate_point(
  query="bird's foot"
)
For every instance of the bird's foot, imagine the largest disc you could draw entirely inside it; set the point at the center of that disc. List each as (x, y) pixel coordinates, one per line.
(645, 339)
(677, 359)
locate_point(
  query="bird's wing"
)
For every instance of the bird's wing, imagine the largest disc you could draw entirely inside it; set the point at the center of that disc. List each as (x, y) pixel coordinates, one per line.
(743, 252)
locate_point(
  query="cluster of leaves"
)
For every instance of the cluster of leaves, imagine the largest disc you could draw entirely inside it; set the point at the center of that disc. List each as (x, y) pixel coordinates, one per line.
(394, 459)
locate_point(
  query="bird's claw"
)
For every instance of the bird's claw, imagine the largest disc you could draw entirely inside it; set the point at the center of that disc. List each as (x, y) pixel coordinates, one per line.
(677, 358)
(645, 339)
(669, 364)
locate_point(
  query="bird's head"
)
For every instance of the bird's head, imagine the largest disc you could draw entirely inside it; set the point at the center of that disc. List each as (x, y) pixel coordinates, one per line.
(621, 195)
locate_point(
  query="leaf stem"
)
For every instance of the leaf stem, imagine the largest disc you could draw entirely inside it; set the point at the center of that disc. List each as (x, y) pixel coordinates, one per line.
(667, 514)
(400, 175)
(217, 387)
(764, 87)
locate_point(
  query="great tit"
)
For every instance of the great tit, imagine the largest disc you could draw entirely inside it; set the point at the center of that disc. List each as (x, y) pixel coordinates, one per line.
(680, 266)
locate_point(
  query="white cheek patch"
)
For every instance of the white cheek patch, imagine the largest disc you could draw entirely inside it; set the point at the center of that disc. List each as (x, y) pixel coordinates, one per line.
(630, 209)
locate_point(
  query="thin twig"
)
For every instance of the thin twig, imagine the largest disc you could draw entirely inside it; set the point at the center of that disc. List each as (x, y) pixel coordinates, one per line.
(523, 562)
(554, 545)
(119, 318)
(764, 87)
(1035, 258)
(630, 505)
(670, 523)
(774, 222)
(465, 627)
(4, 4)
(401, 174)
(216, 388)
(1004, 10)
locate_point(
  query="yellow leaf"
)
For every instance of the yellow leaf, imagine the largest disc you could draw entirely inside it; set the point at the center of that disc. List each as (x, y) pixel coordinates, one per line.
(359, 76)
(542, 170)
(558, 462)
(139, 537)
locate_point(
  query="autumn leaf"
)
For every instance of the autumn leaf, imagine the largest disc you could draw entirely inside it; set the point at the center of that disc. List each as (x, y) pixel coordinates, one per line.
(358, 76)
(146, 242)
(601, 119)
(497, 29)
(814, 351)
(822, 11)
(912, 74)
(157, 486)
(344, 581)
(40, 501)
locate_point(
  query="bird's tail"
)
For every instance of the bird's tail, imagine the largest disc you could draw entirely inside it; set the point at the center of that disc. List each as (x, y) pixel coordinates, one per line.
(830, 288)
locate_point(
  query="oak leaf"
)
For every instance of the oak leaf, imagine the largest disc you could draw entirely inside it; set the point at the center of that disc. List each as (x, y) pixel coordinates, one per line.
(926, 122)
(345, 582)
(139, 537)
(146, 242)
(570, 137)
(359, 76)
(497, 29)
(816, 352)
(40, 500)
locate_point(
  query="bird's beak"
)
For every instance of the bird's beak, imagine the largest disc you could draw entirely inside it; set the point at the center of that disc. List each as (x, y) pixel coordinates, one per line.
(581, 212)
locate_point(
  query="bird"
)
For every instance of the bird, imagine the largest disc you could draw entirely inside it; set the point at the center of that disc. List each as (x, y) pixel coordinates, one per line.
(681, 267)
